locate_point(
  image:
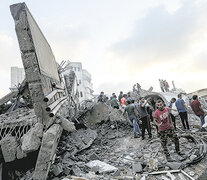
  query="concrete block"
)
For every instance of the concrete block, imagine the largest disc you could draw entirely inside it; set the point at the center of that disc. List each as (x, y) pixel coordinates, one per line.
(57, 169)
(67, 125)
(30, 141)
(99, 113)
(103, 167)
(38, 129)
(20, 154)
(47, 151)
(8, 146)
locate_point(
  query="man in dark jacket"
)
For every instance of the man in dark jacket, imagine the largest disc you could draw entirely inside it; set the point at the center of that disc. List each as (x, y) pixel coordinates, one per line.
(196, 107)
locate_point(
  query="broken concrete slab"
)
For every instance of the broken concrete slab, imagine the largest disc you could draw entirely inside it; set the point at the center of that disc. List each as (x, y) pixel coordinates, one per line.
(137, 167)
(93, 156)
(8, 146)
(174, 165)
(66, 124)
(103, 167)
(57, 169)
(99, 113)
(20, 154)
(46, 154)
(116, 114)
(30, 141)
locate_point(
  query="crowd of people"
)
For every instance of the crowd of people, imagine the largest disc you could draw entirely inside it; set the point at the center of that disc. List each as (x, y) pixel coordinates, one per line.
(164, 85)
(143, 113)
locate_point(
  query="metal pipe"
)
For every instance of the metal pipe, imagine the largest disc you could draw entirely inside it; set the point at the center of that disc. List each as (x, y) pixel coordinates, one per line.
(54, 85)
(54, 104)
(55, 110)
(52, 94)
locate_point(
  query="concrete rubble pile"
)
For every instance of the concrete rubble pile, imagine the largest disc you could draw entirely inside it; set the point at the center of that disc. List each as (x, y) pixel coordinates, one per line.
(54, 137)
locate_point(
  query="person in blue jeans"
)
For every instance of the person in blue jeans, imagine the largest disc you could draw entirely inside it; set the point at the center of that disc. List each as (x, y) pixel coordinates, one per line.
(132, 114)
(182, 110)
(197, 109)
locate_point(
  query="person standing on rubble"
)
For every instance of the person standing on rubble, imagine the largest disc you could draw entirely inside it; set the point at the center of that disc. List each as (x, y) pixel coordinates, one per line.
(165, 128)
(123, 101)
(120, 96)
(144, 117)
(173, 110)
(161, 85)
(114, 102)
(182, 110)
(129, 96)
(132, 114)
(113, 94)
(101, 97)
(197, 109)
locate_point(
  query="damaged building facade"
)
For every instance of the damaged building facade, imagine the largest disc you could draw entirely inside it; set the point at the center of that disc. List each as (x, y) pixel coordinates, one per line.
(45, 134)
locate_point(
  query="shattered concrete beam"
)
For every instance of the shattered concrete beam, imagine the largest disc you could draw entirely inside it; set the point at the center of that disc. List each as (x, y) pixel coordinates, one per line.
(47, 151)
(38, 59)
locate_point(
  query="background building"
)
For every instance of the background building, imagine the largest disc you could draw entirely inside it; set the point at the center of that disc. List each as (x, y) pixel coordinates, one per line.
(17, 76)
(85, 87)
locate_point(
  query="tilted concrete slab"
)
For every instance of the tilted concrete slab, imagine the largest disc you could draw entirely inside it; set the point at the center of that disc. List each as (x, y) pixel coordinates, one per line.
(38, 60)
(47, 151)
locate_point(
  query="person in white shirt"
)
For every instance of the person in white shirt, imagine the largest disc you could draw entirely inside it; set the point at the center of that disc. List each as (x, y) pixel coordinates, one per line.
(173, 110)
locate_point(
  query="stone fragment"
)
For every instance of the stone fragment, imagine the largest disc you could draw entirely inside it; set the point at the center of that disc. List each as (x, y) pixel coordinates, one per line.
(8, 147)
(38, 129)
(57, 169)
(192, 157)
(153, 164)
(30, 140)
(67, 125)
(137, 167)
(66, 171)
(76, 171)
(174, 165)
(93, 156)
(103, 167)
(100, 113)
(116, 173)
(116, 114)
(20, 154)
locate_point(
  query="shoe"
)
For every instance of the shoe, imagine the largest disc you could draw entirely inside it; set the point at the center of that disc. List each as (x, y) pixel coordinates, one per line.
(169, 159)
(135, 136)
(143, 138)
(150, 136)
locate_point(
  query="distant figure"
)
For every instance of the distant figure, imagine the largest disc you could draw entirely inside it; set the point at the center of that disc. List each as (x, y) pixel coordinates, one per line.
(134, 88)
(138, 88)
(112, 96)
(120, 96)
(129, 96)
(167, 86)
(123, 101)
(196, 107)
(161, 85)
(164, 84)
(114, 102)
(173, 110)
(182, 110)
(165, 128)
(101, 97)
(144, 117)
(132, 114)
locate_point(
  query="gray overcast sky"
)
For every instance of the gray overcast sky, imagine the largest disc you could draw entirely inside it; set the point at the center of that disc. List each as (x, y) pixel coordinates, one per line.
(120, 42)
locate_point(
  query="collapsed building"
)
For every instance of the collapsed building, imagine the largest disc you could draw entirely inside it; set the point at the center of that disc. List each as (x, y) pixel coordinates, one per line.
(46, 134)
